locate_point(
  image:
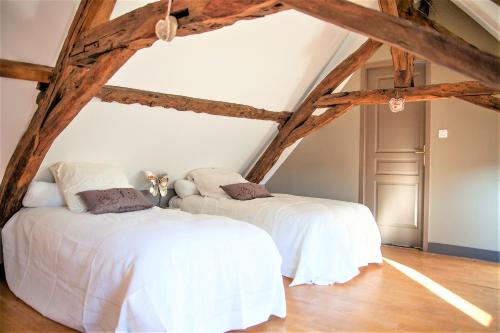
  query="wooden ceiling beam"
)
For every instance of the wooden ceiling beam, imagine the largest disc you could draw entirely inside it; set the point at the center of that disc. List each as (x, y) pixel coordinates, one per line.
(136, 29)
(402, 62)
(25, 71)
(415, 94)
(39, 73)
(306, 109)
(486, 101)
(183, 103)
(431, 45)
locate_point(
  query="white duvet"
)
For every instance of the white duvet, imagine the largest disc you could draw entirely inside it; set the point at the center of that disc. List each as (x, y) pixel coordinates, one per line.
(321, 241)
(154, 270)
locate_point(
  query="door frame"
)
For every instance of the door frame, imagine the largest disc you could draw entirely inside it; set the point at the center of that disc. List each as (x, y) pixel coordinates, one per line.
(362, 149)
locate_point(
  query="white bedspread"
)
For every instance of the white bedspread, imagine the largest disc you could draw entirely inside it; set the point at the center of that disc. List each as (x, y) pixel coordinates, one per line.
(321, 241)
(153, 270)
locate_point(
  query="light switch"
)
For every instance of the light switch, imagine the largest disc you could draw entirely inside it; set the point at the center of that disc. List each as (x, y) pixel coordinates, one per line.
(442, 133)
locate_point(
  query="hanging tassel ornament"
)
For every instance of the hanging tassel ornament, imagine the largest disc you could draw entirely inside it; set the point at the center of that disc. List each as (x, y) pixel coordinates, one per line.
(397, 104)
(167, 28)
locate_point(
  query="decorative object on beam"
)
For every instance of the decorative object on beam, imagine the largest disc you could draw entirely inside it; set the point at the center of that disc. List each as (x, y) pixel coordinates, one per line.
(167, 29)
(397, 104)
(422, 93)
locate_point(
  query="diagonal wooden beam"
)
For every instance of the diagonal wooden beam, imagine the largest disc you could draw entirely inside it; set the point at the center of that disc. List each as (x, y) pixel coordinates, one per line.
(69, 90)
(402, 62)
(306, 109)
(184, 103)
(315, 123)
(415, 94)
(136, 29)
(428, 44)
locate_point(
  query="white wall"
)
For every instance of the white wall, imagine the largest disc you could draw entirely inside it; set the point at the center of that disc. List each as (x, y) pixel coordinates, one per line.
(267, 63)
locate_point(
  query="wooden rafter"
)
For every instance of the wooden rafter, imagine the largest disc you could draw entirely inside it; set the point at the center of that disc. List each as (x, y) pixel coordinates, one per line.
(402, 62)
(401, 33)
(183, 103)
(486, 101)
(422, 93)
(39, 73)
(306, 109)
(315, 123)
(72, 87)
(136, 29)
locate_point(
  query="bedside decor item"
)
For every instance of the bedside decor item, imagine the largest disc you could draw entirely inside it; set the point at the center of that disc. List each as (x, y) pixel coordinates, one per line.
(158, 184)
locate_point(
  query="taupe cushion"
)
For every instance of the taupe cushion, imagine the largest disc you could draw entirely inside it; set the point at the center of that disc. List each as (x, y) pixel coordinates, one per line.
(246, 191)
(115, 200)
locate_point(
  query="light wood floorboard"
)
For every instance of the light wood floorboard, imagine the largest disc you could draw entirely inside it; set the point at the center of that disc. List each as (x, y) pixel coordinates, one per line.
(380, 299)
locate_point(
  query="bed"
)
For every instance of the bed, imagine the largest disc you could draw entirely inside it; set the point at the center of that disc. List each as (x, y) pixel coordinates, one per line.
(321, 241)
(150, 270)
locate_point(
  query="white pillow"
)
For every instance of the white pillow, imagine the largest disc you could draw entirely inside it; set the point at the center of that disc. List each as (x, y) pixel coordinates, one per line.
(209, 180)
(43, 194)
(185, 188)
(75, 177)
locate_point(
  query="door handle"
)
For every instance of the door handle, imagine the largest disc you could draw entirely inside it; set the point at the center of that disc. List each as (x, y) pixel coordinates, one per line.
(419, 152)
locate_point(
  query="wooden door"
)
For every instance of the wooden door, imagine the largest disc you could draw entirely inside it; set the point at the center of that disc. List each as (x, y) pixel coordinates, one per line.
(394, 162)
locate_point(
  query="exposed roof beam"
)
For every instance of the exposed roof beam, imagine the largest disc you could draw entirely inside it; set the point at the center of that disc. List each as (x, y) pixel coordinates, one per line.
(25, 71)
(315, 123)
(430, 45)
(486, 101)
(422, 93)
(136, 29)
(402, 62)
(32, 72)
(183, 103)
(306, 109)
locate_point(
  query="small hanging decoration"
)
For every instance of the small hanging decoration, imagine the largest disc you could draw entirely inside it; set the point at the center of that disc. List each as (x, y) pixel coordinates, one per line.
(167, 29)
(397, 104)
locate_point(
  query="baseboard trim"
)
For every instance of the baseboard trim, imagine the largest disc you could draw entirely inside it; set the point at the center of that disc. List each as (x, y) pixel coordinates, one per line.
(462, 251)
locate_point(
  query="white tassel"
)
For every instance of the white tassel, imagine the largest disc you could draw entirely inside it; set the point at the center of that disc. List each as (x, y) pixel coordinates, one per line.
(167, 29)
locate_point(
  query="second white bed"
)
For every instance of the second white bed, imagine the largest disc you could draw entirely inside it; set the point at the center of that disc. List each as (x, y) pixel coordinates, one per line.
(321, 241)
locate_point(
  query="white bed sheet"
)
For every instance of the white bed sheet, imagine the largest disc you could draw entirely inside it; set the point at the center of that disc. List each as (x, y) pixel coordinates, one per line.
(321, 241)
(154, 270)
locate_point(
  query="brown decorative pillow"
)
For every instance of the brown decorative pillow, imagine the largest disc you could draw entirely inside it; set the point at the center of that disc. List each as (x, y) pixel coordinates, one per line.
(115, 200)
(246, 191)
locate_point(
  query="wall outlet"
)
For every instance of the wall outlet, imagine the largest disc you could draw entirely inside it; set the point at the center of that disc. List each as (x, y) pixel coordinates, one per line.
(443, 133)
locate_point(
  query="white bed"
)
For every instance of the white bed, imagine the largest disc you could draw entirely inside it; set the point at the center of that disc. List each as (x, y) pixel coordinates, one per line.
(152, 270)
(320, 241)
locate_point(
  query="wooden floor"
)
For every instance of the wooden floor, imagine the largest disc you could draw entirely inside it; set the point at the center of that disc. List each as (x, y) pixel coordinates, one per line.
(383, 298)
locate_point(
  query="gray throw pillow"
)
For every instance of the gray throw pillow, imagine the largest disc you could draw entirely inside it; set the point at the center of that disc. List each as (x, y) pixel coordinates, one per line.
(246, 191)
(115, 200)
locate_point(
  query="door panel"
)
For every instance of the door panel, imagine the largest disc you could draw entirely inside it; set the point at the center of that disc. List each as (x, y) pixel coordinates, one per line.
(394, 163)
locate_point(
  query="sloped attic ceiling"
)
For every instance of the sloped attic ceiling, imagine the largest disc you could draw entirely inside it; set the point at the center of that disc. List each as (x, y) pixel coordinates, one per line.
(269, 63)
